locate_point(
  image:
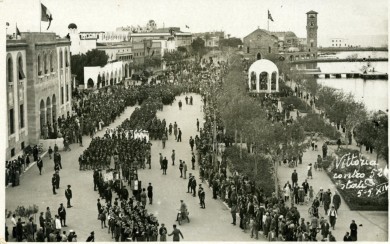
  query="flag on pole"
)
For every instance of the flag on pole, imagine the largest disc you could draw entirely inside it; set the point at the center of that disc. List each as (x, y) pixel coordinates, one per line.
(46, 15)
(270, 16)
(6, 23)
(187, 27)
(17, 31)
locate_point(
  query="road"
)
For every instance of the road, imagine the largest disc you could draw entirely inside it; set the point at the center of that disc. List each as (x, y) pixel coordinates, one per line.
(210, 224)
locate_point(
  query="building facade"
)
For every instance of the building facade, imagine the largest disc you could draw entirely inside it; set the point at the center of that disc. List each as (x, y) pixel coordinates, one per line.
(38, 87)
(16, 87)
(260, 44)
(97, 77)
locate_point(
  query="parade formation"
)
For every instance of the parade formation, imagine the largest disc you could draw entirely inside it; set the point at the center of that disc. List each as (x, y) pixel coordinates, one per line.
(207, 142)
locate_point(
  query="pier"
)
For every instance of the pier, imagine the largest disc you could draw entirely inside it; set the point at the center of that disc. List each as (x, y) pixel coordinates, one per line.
(353, 74)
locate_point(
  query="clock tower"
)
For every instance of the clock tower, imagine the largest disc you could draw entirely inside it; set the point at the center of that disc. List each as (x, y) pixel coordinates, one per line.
(311, 30)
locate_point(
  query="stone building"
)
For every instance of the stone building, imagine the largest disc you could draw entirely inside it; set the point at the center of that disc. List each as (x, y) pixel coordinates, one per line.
(284, 45)
(38, 86)
(260, 44)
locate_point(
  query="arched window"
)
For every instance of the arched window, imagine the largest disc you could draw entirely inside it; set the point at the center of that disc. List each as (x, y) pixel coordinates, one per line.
(45, 63)
(253, 80)
(39, 65)
(10, 70)
(263, 80)
(273, 81)
(258, 57)
(51, 62)
(90, 83)
(20, 68)
(61, 60)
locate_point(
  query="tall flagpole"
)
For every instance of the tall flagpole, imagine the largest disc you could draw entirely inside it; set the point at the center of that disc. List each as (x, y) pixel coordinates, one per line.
(268, 19)
(40, 16)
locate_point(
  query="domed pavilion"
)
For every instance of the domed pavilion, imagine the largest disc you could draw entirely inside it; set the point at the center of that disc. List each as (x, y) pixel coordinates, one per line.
(263, 77)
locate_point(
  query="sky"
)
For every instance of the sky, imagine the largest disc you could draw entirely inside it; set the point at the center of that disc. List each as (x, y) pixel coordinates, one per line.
(336, 18)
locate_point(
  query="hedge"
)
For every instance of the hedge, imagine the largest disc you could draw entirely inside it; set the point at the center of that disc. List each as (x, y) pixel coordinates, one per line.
(363, 203)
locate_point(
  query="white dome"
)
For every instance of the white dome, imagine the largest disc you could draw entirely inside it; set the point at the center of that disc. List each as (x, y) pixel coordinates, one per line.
(263, 65)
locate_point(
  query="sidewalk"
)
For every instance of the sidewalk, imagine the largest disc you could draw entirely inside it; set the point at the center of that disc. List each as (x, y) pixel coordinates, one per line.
(375, 223)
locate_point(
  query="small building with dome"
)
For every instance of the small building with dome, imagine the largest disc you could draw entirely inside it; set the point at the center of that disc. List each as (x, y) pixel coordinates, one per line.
(263, 77)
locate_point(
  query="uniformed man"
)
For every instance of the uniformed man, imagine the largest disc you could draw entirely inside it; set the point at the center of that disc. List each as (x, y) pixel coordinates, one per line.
(57, 175)
(68, 195)
(62, 215)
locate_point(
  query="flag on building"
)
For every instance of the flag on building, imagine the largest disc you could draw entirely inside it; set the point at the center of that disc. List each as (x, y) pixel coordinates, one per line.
(270, 16)
(187, 27)
(46, 16)
(17, 31)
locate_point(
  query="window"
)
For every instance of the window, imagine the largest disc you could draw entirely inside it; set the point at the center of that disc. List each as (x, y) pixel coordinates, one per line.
(67, 93)
(39, 66)
(61, 61)
(66, 58)
(11, 122)
(247, 49)
(312, 44)
(12, 152)
(62, 95)
(45, 63)
(269, 49)
(20, 68)
(22, 145)
(21, 115)
(51, 62)
(9, 70)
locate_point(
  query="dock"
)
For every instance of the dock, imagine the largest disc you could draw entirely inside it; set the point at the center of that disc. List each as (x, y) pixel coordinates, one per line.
(353, 74)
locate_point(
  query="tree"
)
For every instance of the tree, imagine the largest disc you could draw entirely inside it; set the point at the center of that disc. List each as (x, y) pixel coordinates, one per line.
(198, 47)
(91, 58)
(182, 49)
(172, 57)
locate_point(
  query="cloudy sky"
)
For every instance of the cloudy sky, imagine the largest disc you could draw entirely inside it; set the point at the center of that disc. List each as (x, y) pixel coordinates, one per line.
(337, 18)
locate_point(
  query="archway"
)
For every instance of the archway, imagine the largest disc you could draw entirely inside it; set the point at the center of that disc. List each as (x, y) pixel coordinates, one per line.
(111, 78)
(263, 81)
(126, 70)
(90, 83)
(10, 72)
(116, 77)
(42, 116)
(103, 80)
(253, 81)
(258, 56)
(99, 81)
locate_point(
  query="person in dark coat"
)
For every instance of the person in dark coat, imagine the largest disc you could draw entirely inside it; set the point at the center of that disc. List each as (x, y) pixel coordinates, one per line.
(19, 230)
(165, 165)
(150, 193)
(54, 183)
(179, 135)
(294, 178)
(336, 201)
(353, 227)
(193, 186)
(68, 195)
(40, 165)
(57, 175)
(62, 215)
(91, 238)
(180, 104)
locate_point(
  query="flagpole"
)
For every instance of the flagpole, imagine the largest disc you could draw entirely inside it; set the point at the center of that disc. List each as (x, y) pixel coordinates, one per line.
(40, 16)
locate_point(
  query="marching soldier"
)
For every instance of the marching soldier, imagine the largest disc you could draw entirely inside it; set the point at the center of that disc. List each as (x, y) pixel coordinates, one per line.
(68, 195)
